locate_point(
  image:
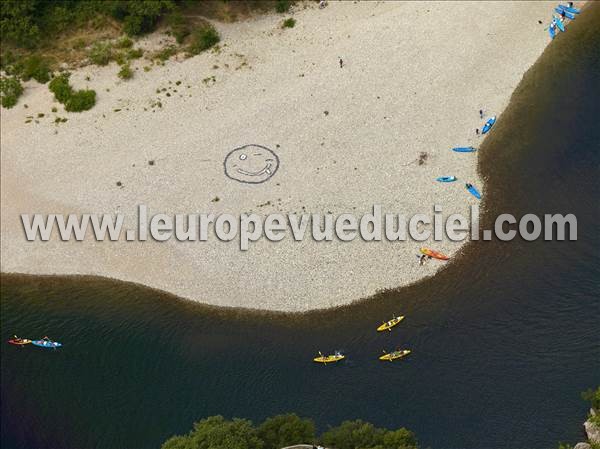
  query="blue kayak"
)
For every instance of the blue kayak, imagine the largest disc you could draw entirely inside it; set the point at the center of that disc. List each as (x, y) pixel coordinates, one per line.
(569, 9)
(46, 344)
(446, 179)
(473, 191)
(488, 125)
(559, 24)
(552, 31)
(464, 149)
(568, 15)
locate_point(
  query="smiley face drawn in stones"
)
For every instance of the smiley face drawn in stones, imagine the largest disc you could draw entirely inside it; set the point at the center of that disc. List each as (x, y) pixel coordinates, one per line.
(251, 164)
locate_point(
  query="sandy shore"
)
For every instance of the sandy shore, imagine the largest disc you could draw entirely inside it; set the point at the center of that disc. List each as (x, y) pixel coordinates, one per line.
(414, 78)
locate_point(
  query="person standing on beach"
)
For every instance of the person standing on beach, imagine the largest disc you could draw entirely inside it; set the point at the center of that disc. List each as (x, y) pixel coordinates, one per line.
(341, 63)
(477, 131)
(481, 113)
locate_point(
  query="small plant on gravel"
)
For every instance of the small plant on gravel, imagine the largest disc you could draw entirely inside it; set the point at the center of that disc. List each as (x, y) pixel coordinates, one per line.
(165, 53)
(125, 73)
(289, 23)
(101, 53)
(135, 53)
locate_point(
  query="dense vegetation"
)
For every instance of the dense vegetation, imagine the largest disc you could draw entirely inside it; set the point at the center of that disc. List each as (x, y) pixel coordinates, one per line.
(27, 23)
(216, 432)
(38, 35)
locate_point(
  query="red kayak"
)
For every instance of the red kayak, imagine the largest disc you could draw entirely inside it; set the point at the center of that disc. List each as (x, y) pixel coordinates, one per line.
(19, 341)
(434, 254)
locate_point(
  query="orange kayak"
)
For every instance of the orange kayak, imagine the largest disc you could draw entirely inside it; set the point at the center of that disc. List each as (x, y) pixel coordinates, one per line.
(434, 254)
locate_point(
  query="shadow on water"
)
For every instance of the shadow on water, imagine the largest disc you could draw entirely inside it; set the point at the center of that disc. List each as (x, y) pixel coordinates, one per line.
(503, 340)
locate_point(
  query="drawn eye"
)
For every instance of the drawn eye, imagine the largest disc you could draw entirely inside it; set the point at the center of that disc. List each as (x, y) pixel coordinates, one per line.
(243, 157)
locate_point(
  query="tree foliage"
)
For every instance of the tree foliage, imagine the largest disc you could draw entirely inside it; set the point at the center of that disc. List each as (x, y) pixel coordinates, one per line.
(286, 430)
(362, 435)
(217, 433)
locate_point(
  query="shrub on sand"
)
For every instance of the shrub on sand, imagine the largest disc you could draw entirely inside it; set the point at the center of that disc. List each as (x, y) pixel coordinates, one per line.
(10, 91)
(202, 39)
(81, 100)
(125, 73)
(289, 23)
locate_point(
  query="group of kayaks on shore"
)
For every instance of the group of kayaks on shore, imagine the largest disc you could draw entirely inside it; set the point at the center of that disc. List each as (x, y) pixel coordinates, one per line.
(484, 130)
(387, 356)
(564, 12)
(44, 342)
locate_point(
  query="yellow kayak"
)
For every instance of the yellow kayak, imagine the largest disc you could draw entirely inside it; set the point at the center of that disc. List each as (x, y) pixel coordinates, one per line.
(332, 358)
(391, 323)
(390, 356)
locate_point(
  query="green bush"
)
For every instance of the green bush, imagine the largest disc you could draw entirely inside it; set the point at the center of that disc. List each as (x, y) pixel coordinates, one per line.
(179, 26)
(10, 91)
(286, 430)
(101, 53)
(74, 101)
(81, 100)
(140, 16)
(37, 68)
(289, 23)
(61, 88)
(282, 6)
(125, 73)
(202, 39)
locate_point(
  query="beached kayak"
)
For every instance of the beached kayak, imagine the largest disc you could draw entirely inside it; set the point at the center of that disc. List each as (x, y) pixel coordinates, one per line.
(446, 179)
(559, 24)
(464, 149)
(473, 191)
(390, 356)
(44, 343)
(331, 358)
(568, 14)
(552, 31)
(434, 254)
(569, 9)
(488, 125)
(387, 326)
(19, 341)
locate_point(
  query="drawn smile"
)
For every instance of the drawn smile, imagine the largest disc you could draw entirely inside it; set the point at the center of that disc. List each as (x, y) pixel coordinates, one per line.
(265, 170)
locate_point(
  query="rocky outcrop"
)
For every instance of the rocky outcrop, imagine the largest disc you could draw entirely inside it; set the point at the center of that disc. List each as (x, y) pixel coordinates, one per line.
(592, 429)
(582, 446)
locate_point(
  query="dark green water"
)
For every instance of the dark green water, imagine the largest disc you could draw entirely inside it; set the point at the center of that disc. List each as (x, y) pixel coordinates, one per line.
(504, 339)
